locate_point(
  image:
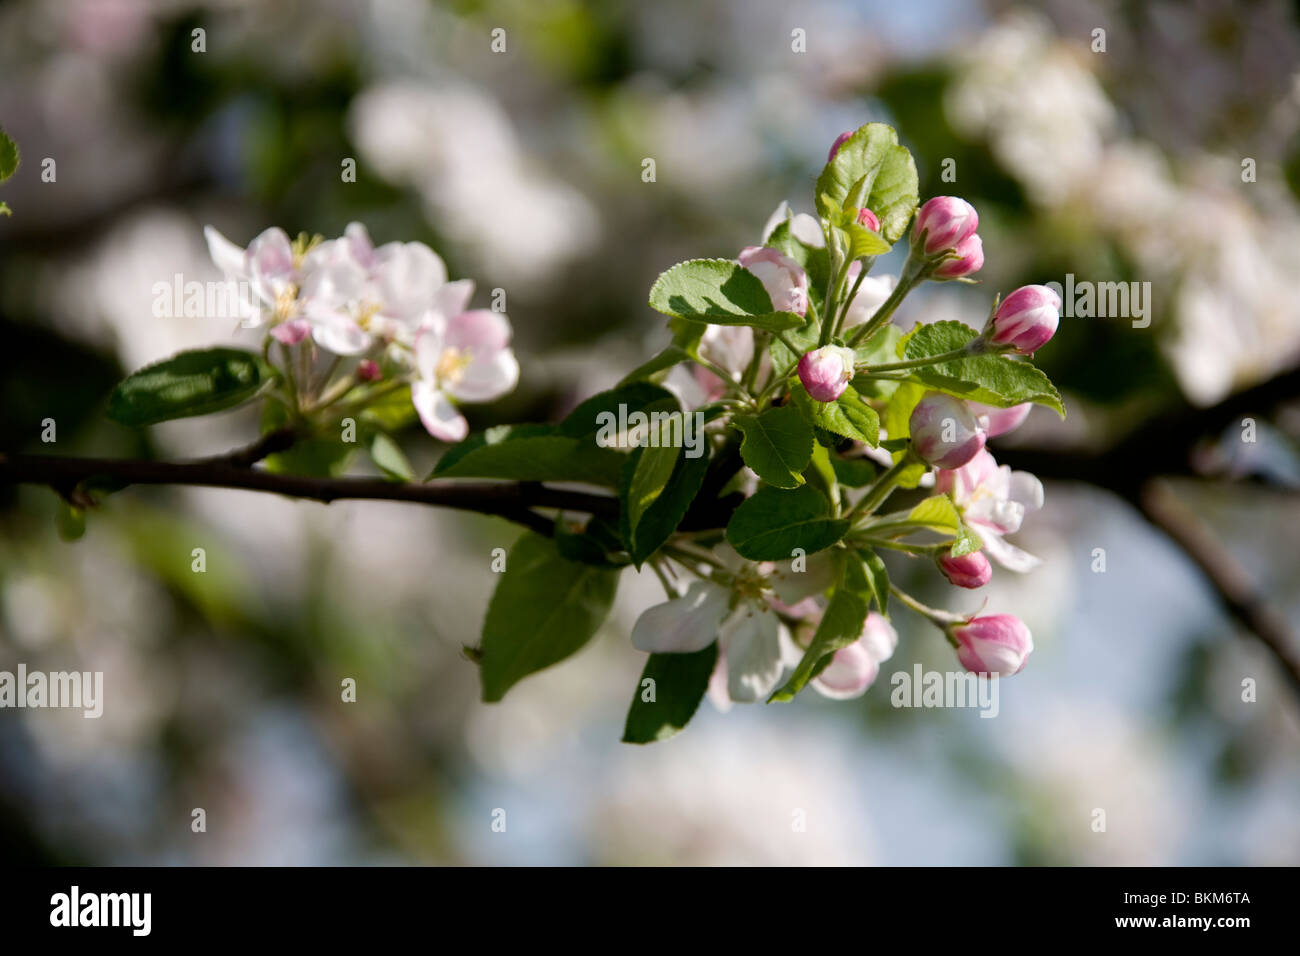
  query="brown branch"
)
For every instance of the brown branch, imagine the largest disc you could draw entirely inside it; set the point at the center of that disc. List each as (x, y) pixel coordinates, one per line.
(1226, 576)
(1162, 446)
(511, 500)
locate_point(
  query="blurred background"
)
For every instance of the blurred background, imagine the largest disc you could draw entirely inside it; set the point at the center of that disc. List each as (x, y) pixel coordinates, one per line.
(523, 169)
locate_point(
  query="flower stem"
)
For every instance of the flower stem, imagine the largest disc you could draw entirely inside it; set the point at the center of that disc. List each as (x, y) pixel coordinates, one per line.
(883, 486)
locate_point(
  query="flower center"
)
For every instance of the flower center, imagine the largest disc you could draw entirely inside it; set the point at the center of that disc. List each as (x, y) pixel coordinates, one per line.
(452, 364)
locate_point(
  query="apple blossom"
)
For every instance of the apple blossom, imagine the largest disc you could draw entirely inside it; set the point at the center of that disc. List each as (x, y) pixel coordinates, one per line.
(854, 668)
(783, 278)
(967, 571)
(826, 372)
(970, 258)
(993, 500)
(1026, 319)
(996, 644)
(945, 432)
(871, 295)
(465, 357)
(943, 223)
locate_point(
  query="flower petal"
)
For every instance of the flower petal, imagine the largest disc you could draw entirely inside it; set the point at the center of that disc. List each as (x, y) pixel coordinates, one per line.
(438, 415)
(754, 658)
(229, 258)
(684, 624)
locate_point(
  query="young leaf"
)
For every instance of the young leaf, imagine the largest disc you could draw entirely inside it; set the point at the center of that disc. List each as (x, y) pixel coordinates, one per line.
(998, 380)
(679, 682)
(8, 156)
(872, 170)
(840, 626)
(720, 292)
(937, 513)
(769, 525)
(877, 578)
(606, 412)
(848, 416)
(652, 467)
(192, 383)
(665, 513)
(777, 446)
(853, 472)
(666, 359)
(386, 453)
(545, 608)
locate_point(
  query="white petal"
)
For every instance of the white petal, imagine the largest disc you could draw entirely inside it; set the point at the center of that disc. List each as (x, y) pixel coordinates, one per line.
(229, 258)
(486, 379)
(754, 663)
(1007, 555)
(1026, 489)
(428, 350)
(340, 334)
(779, 215)
(452, 298)
(438, 415)
(851, 671)
(684, 624)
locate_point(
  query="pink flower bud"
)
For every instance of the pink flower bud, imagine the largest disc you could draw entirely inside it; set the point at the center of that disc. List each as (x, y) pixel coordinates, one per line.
(368, 370)
(945, 431)
(868, 218)
(825, 372)
(945, 222)
(783, 278)
(970, 258)
(1001, 420)
(997, 644)
(969, 571)
(839, 141)
(1026, 319)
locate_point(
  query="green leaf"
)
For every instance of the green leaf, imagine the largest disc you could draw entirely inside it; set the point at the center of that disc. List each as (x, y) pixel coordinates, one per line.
(965, 541)
(385, 453)
(8, 156)
(192, 383)
(863, 242)
(662, 517)
(598, 543)
(544, 609)
(531, 453)
(854, 472)
(872, 170)
(778, 445)
(820, 473)
(993, 379)
(652, 468)
(670, 356)
(849, 416)
(720, 292)
(840, 626)
(878, 350)
(877, 577)
(773, 522)
(805, 340)
(390, 412)
(680, 682)
(616, 404)
(937, 513)
(69, 522)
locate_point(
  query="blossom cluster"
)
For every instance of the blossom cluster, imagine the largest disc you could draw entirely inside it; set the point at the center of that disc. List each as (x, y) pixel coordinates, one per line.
(390, 307)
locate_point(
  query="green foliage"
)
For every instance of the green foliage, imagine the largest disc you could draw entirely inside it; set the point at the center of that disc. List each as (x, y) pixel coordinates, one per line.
(680, 682)
(778, 445)
(386, 454)
(848, 416)
(993, 379)
(544, 609)
(871, 169)
(719, 292)
(531, 453)
(840, 626)
(660, 518)
(192, 383)
(773, 522)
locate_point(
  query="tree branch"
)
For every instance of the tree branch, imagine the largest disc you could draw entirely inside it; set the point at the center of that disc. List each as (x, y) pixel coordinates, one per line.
(1226, 576)
(510, 500)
